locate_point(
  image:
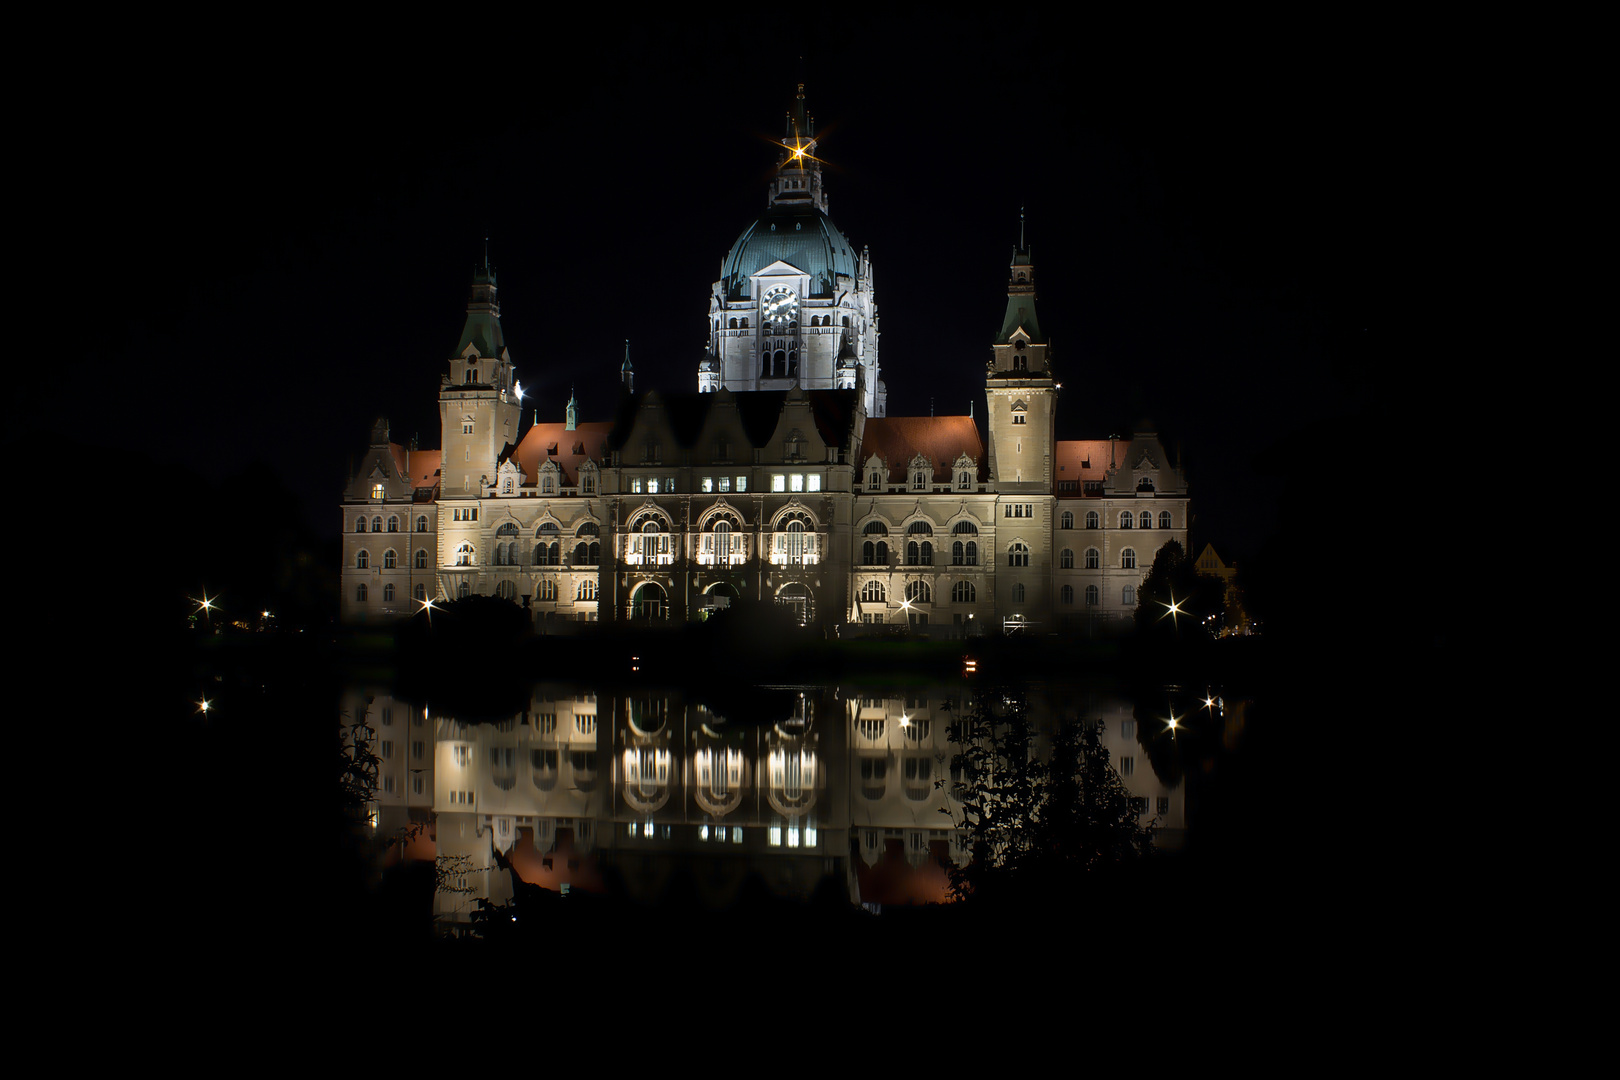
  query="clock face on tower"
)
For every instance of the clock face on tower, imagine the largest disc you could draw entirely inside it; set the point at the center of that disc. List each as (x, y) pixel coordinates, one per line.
(781, 307)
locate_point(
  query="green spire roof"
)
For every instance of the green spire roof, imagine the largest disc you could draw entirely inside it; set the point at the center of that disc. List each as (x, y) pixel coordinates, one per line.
(482, 330)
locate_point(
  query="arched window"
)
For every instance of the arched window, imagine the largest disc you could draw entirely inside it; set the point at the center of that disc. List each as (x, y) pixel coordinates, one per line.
(360, 525)
(963, 592)
(376, 524)
(1066, 560)
(548, 589)
(1018, 554)
(1092, 520)
(1125, 521)
(649, 602)
(587, 590)
(1091, 596)
(421, 593)
(722, 541)
(388, 592)
(1128, 559)
(875, 553)
(463, 590)
(360, 592)
(795, 542)
(1093, 559)
(362, 561)
(1018, 593)
(1164, 519)
(464, 556)
(1066, 594)
(1127, 596)
(731, 324)
(1067, 520)
(918, 592)
(421, 558)
(872, 592)
(421, 523)
(390, 560)
(393, 524)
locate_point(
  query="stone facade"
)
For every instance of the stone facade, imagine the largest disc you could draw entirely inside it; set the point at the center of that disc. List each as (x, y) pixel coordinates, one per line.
(780, 479)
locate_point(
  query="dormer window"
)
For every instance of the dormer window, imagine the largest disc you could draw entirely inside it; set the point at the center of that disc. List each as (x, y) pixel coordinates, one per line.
(376, 491)
(472, 375)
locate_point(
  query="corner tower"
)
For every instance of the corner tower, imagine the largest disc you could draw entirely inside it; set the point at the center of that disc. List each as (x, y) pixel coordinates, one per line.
(794, 304)
(1020, 389)
(479, 412)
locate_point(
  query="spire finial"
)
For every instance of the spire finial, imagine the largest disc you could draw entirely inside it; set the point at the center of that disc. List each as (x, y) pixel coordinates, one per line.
(486, 253)
(1020, 227)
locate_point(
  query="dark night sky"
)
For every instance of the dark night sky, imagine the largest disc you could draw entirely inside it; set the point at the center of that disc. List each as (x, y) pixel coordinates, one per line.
(265, 255)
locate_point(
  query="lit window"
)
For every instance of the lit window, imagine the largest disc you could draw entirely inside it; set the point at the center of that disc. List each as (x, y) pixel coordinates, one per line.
(376, 491)
(797, 482)
(707, 488)
(778, 482)
(814, 482)
(742, 485)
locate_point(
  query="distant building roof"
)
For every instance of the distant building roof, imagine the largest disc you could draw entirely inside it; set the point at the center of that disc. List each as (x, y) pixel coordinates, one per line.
(1080, 460)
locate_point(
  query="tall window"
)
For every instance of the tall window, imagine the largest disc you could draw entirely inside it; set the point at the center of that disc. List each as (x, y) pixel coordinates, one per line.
(795, 542)
(1092, 520)
(390, 560)
(722, 542)
(1066, 594)
(1091, 596)
(360, 525)
(963, 592)
(1066, 560)
(1067, 520)
(1018, 593)
(421, 592)
(362, 561)
(360, 592)
(1125, 520)
(421, 523)
(1128, 559)
(393, 524)
(1093, 559)
(1164, 519)
(1018, 554)
(918, 592)
(421, 558)
(464, 556)
(1127, 596)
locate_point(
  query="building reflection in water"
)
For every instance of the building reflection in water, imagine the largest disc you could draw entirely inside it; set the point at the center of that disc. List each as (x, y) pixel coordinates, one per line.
(854, 786)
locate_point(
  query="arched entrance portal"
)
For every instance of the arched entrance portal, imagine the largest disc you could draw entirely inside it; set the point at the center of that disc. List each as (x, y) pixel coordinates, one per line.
(649, 603)
(797, 598)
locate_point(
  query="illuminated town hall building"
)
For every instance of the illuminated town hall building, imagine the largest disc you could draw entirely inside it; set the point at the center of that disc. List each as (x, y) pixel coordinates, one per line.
(782, 478)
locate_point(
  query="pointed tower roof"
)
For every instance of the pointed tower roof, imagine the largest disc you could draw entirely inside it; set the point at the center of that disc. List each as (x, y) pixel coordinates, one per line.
(482, 329)
(1020, 293)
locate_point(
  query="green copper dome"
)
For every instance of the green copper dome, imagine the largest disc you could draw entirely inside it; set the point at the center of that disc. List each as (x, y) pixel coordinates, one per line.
(801, 236)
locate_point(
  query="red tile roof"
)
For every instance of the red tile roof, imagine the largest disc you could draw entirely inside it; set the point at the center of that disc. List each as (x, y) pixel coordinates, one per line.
(940, 439)
(417, 466)
(534, 449)
(1086, 459)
